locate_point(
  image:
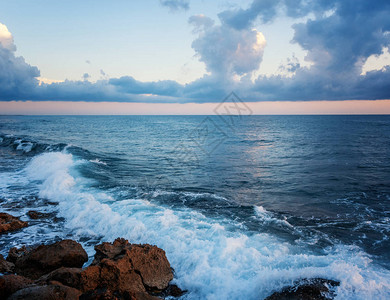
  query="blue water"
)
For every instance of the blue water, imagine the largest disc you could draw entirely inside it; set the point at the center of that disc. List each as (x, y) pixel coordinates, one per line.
(242, 205)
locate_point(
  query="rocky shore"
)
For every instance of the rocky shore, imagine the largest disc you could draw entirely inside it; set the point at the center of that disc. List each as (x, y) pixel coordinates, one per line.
(119, 270)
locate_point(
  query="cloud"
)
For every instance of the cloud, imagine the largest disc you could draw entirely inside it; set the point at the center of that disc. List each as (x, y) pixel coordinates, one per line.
(86, 76)
(17, 78)
(200, 23)
(226, 51)
(6, 38)
(175, 5)
(337, 35)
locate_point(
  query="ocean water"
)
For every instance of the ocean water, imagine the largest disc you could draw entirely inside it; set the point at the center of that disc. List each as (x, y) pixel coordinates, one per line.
(242, 205)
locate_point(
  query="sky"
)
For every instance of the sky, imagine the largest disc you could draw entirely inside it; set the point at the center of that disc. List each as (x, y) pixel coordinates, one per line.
(317, 52)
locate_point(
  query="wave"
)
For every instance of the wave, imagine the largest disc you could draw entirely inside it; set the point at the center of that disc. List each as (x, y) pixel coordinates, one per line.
(213, 258)
(25, 145)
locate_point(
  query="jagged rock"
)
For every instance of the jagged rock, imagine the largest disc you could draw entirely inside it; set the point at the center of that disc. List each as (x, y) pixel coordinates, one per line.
(172, 290)
(10, 223)
(9, 284)
(33, 214)
(46, 292)
(6, 266)
(46, 258)
(120, 270)
(14, 253)
(98, 294)
(66, 276)
(82, 279)
(307, 289)
(150, 262)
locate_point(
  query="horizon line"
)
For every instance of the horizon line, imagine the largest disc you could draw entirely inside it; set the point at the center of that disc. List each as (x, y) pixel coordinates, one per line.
(320, 107)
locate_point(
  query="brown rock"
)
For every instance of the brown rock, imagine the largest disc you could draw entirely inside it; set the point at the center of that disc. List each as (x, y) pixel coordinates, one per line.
(83, 280)
(141, 296)
(150, 262)
(14, 253)
(6, 266)
(66, 276)
(174, 290)
(33, 214)
(90, 278)
(307, 289)
(46, 292)
(10, 223)
(119, 276)
(46, 258)
(99, 294)
(9, 284)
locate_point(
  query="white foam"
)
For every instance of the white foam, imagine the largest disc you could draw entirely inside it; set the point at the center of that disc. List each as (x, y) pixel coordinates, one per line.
(98, 161)
(268, 217)
(23, 146)
(210, 261)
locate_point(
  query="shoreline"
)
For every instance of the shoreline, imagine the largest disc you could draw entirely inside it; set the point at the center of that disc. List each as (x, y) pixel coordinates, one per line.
(120, 270)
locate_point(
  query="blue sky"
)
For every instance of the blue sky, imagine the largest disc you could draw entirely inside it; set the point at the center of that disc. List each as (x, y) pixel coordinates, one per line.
(194, 50)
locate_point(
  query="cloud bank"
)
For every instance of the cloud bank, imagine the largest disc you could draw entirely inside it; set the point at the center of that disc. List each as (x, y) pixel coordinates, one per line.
(338, 35)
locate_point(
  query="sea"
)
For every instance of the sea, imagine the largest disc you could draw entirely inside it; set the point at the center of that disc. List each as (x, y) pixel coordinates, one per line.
(242, 205)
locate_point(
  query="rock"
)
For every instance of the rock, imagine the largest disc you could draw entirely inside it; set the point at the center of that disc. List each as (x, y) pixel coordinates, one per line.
(33, 214)
(172, 290)
(9, 284)
(106, 294)
(6, 266)
(98, 294)
(307, 289)
(46, 292)
(46, 258)
(120, 270)
(10, 223)
(14, 253)
(118, 275)
(66, 276)
(150, 262)
(83, 280)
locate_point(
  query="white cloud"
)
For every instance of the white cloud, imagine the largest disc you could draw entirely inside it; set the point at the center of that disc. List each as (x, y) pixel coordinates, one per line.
(376, 62)
(227, 52)
(6, 39)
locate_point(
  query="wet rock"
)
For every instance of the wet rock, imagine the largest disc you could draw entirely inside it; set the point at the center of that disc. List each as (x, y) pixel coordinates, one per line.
(10, 223)
(9, 284)
(307, 289)
(6, 266)
(172, 290)
(120, 270)
(46, 292)
(33, 214)
(15, 253)
(46, 258)
(150, 262)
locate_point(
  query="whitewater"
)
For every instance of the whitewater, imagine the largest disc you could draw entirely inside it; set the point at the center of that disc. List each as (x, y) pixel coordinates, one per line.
(215, 255)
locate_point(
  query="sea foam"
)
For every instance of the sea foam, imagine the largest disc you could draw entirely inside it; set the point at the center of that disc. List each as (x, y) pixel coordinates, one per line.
(212, 258)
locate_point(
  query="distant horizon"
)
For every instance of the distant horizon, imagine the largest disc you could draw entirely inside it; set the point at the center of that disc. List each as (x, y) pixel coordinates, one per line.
(346, 107)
